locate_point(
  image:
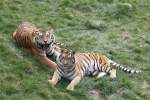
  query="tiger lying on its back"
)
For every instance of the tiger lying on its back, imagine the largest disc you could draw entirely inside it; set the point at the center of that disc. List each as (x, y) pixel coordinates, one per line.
(40, 42)
(74, 66)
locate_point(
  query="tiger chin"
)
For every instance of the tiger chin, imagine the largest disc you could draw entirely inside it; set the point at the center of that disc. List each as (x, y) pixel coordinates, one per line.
(35, 39)
(74, 66)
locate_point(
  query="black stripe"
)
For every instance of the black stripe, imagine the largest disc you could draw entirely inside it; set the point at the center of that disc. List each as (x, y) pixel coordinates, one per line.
(50, 53)
(98, 67)
(69, 68)
(72, 73)
(101, 67)
(104, 67)
(60, 68)
(82, 68)
(128, 71)
(60, 71)
(109, 69)
(94, 63)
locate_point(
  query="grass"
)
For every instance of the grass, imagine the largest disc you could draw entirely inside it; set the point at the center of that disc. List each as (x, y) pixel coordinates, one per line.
(118, 29)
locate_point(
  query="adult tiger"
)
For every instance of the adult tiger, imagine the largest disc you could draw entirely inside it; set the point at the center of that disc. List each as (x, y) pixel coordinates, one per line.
(74, 66)
(37, 40)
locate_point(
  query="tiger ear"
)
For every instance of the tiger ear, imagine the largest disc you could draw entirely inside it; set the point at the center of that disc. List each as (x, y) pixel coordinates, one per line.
(35, 33)
(73, 52)
(52, 38)
(62, 50)
(51, 31)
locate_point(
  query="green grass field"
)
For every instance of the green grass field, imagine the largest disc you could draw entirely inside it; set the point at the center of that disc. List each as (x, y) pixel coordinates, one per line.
(119, 29)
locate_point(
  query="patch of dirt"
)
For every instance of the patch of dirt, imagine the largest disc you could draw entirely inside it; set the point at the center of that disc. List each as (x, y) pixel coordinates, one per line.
(120, 92)
(95, 95)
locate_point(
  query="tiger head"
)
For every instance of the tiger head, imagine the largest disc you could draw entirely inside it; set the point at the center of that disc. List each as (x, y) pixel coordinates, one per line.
(43, 40)
(66, 57)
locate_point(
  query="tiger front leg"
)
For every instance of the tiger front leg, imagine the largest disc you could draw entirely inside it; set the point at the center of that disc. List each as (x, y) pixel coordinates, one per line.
(49, 62)
(101, 74)
(43, 59)
(73, 83)
(56, 77)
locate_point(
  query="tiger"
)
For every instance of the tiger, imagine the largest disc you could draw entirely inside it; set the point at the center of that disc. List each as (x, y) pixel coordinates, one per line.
(39, 41)
(74, 66)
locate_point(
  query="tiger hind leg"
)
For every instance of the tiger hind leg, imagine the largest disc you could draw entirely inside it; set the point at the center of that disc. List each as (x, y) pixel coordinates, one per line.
(101, 74)
(113, 73)
(73, 83)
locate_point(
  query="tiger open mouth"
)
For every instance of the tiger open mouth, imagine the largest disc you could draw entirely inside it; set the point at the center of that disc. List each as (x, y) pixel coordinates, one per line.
(45, 47)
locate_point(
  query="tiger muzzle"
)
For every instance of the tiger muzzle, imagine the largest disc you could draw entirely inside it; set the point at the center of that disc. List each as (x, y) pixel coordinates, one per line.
(45, 46)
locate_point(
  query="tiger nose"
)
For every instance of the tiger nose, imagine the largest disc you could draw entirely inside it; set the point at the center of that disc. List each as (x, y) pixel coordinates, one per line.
(45, 42)
(65, 62)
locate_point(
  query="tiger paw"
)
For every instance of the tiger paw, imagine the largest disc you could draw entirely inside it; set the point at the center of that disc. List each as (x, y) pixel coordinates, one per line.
(52, 82)
(70, 88)
(113, 73)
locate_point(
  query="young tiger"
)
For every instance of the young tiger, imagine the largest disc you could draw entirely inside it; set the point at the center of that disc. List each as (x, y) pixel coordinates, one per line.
(39, 41)
(74, 66)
